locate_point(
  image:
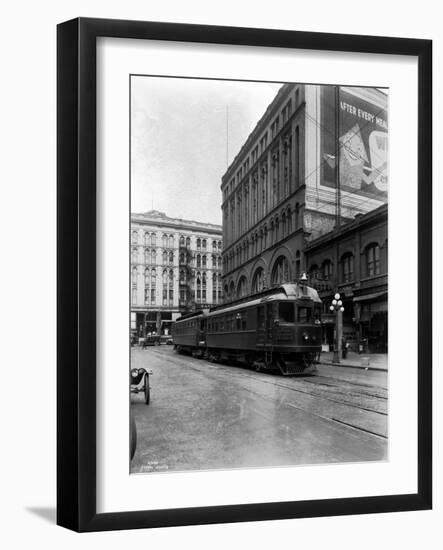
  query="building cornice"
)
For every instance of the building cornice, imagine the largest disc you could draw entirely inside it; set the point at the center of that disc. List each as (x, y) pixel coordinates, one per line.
(176, 223)
(360, 221)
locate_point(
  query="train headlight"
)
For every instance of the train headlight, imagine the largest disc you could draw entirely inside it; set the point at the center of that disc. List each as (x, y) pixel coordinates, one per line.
(134, 373)
(305, 336)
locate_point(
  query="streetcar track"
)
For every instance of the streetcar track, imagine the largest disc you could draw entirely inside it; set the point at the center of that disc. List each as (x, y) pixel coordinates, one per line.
(197, 366)
(313, 394)
(338, 421)
(235, 372)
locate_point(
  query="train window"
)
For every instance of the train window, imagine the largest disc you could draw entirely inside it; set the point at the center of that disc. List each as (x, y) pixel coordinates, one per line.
(304, 314)
(286, 312)
(238, 321)
(243, 322)
(261, 317)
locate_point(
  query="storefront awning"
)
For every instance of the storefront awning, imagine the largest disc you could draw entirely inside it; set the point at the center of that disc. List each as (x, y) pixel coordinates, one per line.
(370, 296)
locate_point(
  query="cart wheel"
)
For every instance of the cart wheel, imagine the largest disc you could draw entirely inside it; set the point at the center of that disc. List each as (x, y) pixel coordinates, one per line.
(133, 437)
(147, 390)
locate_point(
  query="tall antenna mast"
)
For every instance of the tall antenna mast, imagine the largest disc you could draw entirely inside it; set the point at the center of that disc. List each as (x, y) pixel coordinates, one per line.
(337, 155)
(227, 136)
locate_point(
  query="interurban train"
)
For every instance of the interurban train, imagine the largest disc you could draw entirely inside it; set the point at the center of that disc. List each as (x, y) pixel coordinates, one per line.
(277, 329)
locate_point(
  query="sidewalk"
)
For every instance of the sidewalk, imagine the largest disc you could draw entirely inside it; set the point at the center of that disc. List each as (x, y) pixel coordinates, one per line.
(370, 361)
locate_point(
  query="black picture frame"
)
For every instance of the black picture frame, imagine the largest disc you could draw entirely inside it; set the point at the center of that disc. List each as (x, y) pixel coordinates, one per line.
(76, 265)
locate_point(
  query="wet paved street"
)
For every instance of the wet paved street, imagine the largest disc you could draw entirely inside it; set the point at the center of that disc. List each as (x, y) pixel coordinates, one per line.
(204, 415)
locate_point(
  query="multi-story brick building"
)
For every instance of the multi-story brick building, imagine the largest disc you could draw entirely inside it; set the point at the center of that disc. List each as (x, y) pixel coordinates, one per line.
(280, 192)
(353, 260)
(175, 268)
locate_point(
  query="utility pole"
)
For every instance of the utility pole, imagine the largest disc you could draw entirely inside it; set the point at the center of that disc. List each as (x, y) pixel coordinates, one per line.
(337, 156)
(227, 136)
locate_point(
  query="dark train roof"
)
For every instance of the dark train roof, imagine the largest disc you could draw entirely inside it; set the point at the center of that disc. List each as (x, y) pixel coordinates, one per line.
(282, 292)
(190, 315)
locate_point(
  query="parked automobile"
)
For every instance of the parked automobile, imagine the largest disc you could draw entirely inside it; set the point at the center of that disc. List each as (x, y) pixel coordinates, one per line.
(139, 381)
(151, 340)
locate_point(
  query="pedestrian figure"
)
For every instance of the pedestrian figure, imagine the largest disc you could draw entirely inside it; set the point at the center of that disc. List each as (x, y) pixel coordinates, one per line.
(344, 347)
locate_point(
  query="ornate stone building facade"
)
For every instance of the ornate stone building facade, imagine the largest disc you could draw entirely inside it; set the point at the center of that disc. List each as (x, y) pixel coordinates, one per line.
(175, 268)
(353, 260)
(281, 191)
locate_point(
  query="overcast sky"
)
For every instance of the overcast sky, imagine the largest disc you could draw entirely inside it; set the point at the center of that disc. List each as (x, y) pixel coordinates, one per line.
(178, 141)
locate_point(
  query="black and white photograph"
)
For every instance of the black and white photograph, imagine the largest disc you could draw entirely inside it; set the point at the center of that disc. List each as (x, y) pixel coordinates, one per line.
(258, 299)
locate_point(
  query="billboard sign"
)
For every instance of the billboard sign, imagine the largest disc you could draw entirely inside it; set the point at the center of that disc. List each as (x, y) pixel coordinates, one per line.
(363, 140)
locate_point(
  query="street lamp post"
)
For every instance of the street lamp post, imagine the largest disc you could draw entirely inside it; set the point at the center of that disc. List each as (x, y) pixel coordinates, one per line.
(337, 307)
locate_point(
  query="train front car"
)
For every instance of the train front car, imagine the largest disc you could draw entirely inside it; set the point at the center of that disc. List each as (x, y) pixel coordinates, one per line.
(278, 329)
(291, 330)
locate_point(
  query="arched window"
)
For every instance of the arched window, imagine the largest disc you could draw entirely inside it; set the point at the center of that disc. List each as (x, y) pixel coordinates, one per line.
(134, 237)
(199, 244)
(147, 281)
(280, 271)
(313, 271)
(188, 241)
(231, 290)
(297, 264)
(372, 260)
(241, 287)
(204, 287)
(153, 256)
(347, 268)
(214, 261)
(204, 260)
(297, 216)
(171, 241)
(283, 225)
(182, 258)
(165, 257)
(182, 277)
(134, 275)
(153, 284)
(147, 255)
(199, 260)
(199, 286)
(219, 245)
(171, 288)
(165, 286)
(219, 288)
(297, 156)
(327, 270)
(204, 244)
(182, 240)
(289, 218)
(258, 280)
(134, 255)
(219, 262)
(214, 245)
(171, 257)
(153, 239)
(164, 240)
(147, 239)
(214, 288)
